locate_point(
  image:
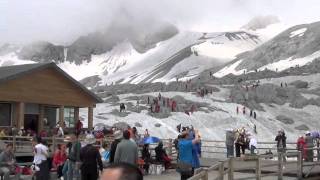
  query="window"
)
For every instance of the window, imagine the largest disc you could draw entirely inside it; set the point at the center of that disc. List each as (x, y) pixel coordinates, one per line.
(5, 114)
(69, 118)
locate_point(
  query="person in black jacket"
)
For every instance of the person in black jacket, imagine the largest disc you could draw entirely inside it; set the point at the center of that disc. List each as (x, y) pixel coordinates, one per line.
(281, 143)
(114, 144)
(91, 159)
(146, 156)
(161, 155)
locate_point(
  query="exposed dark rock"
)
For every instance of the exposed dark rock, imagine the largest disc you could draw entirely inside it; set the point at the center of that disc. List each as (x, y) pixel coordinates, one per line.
(285, 119)
(302, 127)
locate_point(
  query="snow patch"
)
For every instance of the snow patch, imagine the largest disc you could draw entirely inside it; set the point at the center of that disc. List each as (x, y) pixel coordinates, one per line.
(287, 63)
(231, 69)
(299, 32)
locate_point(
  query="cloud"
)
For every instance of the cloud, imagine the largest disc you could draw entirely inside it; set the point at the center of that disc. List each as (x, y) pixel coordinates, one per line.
(62, 21)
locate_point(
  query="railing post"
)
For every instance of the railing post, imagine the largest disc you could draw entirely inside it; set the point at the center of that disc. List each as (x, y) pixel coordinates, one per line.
(280, 166)
(318, 150)
(53, 143)
(221, 171)
(14, 143)
(258, 170)
(230, 171)
(170, 148)
(299, 165)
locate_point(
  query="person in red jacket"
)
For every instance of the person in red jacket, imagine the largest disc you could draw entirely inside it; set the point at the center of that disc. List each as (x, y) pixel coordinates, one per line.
(79, 127)
(59, 158)
(301, 146)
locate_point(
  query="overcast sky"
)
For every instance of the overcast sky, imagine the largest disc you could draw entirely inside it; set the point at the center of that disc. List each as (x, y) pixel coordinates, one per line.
(62, 21)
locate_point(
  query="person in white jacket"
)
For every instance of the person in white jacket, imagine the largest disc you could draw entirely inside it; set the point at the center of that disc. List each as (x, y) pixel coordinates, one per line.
(253, 144)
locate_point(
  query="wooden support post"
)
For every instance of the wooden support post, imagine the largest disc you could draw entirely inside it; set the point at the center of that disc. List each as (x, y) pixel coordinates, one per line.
(258, 169)
(41, 118)
(300, 166)
(221, 171)
(90, 118)
(61, 116)
(170, 147)
(20, 115)
(76, 114)
(231, 169)
(280, 166)
(206, 175)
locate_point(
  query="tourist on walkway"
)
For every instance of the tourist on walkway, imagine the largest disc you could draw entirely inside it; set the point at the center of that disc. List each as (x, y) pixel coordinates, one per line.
(301, 146)
(309, 147)
(7, 163)
(74, 158)
(91, 160)
(40, 159)
(59, 158)
(253, 144)
(161, 155)
(240, 142)
(78, 127)
(127, 151)
(117, 138)
(122, 171)
(230, 137)
(281, 143)
(185, 155)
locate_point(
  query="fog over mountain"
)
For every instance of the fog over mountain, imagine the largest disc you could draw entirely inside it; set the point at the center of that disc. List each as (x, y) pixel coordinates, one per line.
(62, 22)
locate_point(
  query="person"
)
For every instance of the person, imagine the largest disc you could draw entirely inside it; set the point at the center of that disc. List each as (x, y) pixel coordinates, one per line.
(74, 157)
(90, 160)
(244, 110)
(127, 151)
(281, 143)
(122, 171)
(237, 109)
(117, 138)
(78, 127)
(240, 143)
(161, 155)
(309, 147)
(230, 137)
(60, 132)
(105, 154)
(185, 155)
(254, 115)
(146, 156)
(7, 163)
(251, 112)
(301, 146)
(40, 161)
(252, 144)
(146, 133)
(59, 158)
(135, 136)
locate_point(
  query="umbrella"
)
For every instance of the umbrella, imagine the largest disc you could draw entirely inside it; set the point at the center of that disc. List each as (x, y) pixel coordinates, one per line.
(150, 140)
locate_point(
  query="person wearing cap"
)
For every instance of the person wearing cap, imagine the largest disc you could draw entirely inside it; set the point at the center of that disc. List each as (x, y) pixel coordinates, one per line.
(117, 138)
(252, 144)
(91, 159)
(309, 147)
(301, 146)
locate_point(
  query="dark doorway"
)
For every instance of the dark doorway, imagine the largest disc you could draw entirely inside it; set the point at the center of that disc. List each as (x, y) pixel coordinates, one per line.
(31, 122)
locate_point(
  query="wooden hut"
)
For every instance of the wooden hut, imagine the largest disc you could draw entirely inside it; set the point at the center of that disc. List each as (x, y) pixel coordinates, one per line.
(38, 96)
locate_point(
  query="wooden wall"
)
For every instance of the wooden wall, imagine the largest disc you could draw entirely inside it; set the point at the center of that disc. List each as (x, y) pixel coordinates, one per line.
(47, 86)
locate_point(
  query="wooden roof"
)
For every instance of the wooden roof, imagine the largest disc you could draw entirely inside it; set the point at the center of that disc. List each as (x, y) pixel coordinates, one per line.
(8, 73)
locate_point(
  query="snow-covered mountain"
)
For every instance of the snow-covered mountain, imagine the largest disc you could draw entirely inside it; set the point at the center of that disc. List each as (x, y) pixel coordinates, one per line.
(296, 46)
(164, 56)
